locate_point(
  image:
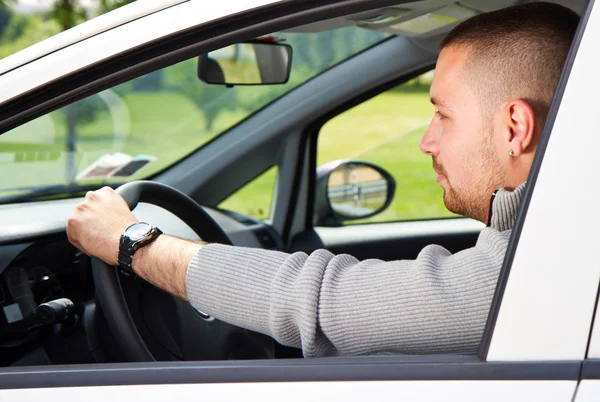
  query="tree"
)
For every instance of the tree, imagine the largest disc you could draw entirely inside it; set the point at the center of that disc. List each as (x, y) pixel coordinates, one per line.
(68, 13)
(4, 4)
(210, 99)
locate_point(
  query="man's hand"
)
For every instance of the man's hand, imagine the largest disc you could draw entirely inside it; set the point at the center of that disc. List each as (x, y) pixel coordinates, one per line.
(96, 225)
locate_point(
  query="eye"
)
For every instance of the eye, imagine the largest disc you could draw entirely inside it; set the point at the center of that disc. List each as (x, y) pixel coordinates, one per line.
(440, 115)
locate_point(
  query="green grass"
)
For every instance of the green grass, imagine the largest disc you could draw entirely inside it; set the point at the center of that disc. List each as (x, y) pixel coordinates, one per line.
(254, 198)
(373, 123)
(385, 130)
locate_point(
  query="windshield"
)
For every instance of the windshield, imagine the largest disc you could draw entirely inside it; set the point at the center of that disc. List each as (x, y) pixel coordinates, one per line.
(136, 129)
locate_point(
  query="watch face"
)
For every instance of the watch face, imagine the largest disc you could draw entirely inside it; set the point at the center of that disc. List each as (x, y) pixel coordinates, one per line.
(138, 231)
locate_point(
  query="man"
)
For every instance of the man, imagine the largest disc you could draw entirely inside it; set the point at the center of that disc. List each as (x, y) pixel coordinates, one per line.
(494, 81)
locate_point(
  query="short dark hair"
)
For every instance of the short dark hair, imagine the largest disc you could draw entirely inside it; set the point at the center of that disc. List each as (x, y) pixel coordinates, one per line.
(516, 53)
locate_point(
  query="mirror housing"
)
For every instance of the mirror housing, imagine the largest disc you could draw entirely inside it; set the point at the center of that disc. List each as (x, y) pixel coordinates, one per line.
(349, 190)
(257, 62)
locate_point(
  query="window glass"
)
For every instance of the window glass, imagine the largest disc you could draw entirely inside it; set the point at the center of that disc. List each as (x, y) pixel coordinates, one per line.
(254, 199)
(134, 130)
(386, 131)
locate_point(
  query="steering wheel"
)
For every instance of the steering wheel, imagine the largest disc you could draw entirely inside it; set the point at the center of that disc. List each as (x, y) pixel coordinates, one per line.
(109, 291)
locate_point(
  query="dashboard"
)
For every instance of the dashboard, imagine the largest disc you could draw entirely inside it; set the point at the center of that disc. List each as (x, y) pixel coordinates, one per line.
(41, 273)
(39, 265)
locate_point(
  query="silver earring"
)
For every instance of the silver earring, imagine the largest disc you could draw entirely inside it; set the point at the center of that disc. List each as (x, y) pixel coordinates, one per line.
(511, 153)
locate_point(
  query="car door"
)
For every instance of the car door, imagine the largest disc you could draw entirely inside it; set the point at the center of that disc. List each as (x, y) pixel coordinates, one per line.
(535, 340)
(589, 387)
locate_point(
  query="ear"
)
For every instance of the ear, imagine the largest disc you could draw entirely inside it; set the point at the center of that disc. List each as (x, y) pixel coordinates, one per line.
(521, 126)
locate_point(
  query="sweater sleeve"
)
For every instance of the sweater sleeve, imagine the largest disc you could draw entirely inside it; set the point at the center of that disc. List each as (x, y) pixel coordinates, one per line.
(336, 305)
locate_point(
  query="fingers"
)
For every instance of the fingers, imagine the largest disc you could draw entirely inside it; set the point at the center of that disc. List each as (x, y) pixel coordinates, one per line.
(71, 231)
(97, 222)
(74, 221)
(106, 195)
(90, 195)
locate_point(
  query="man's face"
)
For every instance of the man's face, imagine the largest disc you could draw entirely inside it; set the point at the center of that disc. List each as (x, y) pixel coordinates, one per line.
(460, 139)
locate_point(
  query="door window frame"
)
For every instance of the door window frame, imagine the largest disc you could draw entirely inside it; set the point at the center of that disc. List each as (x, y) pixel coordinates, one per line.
(500, 341)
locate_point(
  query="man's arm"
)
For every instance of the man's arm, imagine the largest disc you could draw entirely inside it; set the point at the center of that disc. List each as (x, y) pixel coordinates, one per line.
(332, 305)
(325, 304)
(96, 226)
(164, 263)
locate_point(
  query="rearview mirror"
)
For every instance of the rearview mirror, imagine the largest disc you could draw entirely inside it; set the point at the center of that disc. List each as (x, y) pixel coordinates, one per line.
(349, 190)
(248, 63)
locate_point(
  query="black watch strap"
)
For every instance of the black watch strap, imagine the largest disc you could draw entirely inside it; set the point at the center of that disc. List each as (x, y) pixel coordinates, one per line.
(128, 247)
(125, 260)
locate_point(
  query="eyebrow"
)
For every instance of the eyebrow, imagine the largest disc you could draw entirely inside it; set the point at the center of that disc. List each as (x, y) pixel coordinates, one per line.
(438, 102)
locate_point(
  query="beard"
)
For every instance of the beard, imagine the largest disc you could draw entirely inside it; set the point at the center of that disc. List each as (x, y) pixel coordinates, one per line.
(472, 198)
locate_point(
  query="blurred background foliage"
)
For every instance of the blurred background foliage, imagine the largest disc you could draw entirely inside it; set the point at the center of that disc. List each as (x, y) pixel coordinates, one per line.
(26, 22)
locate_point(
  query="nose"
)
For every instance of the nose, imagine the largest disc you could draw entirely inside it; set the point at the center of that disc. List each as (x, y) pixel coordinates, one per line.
(429, 142)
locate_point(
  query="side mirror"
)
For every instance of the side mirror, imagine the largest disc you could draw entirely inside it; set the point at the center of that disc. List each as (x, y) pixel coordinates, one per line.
(248, 63)
(348, 190)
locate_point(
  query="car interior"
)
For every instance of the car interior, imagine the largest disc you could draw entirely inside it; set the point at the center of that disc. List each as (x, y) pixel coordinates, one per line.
(308, 202)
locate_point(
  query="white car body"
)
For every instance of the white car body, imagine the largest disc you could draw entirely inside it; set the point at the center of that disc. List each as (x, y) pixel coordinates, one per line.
(134, 25)
(543, 337)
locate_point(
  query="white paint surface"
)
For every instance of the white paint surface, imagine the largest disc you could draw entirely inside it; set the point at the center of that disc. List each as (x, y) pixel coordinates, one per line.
(594, 350)
(588, 391)
(547, 308)
(392, 391)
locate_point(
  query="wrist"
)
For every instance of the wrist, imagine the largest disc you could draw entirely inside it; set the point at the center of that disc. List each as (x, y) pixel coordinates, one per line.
(113, 241)
(144, 255)
(135, 237)
(164, 263)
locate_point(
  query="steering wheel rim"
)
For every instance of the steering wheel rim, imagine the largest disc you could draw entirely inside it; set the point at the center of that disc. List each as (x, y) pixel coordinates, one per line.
(109, 291)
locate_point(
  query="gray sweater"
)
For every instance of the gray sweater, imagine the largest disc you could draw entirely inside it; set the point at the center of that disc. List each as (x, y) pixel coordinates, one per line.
(332, 305)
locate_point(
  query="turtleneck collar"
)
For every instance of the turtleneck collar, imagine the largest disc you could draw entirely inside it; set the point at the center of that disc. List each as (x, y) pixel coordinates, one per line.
(504, 207)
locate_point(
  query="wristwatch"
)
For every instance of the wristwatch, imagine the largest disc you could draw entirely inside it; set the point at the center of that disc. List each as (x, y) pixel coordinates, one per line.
(133, 238)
